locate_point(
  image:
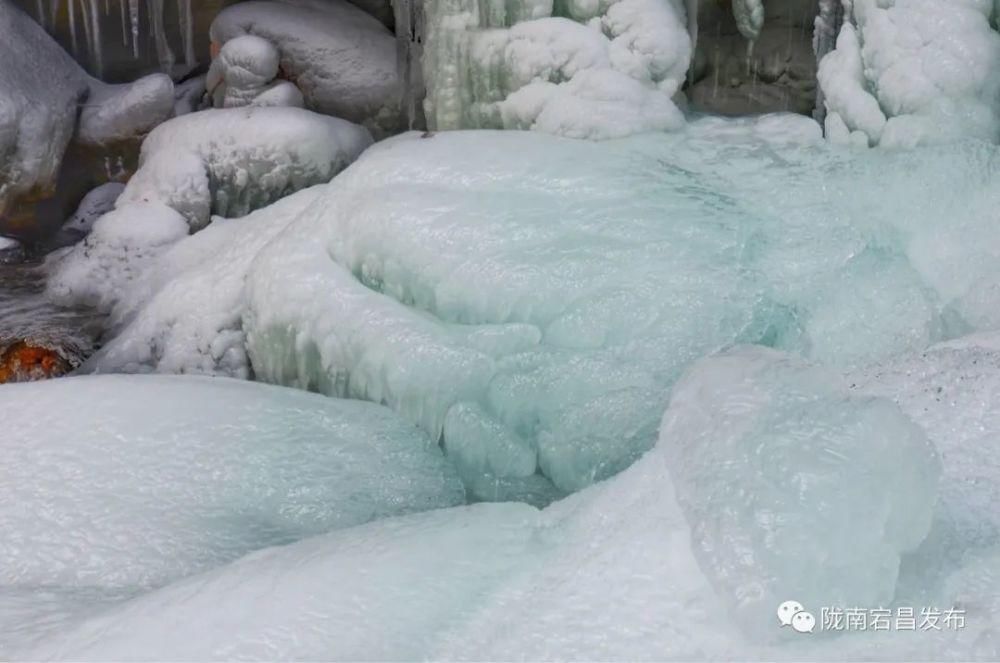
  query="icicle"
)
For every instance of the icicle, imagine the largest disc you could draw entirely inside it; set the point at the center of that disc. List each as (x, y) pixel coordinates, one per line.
(71, 8)
(409, 19)
(133, 11)
(186, 21)
(163, 52)
(40, 10)
(121, 7)
(96, 45)
(107, 7)
(87, 31)
(691, 7)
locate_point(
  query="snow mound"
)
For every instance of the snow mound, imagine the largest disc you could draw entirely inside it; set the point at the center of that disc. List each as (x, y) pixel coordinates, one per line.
(232, 161)
(120, 248)
(341, 59)
(605, 70)
(123, 483)
(793, 487)
(168, 321)
(908, 72)
(607, 573)
(119, 112)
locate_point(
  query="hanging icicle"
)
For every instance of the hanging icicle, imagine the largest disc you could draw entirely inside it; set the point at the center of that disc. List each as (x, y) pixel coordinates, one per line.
(40, 10)
(121, 7)
(186, 20)
(74, 42)
(96, 43)
(154, 8)
(133, 11)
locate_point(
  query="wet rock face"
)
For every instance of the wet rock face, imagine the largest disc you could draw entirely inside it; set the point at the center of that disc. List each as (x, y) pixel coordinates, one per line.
(778, 74)
(22, 361)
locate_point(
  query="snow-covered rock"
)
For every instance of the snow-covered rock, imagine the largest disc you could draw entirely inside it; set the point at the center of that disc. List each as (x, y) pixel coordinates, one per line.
(98, 202)
(42, 91)
(341, 59)
(608, 72)
(168, 321)
(232, 161)
(11, 251)
(244, 74)
(928, 66)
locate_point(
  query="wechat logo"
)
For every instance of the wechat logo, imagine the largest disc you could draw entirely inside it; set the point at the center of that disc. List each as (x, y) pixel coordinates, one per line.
(791, 613)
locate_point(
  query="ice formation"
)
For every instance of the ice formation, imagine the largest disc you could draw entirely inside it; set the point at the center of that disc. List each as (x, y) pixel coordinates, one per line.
(597, 70)
(119, 484)
(583, 326)
(341, 59)
(907, 72)
(608, 573)
(95, 204)
(792, 486)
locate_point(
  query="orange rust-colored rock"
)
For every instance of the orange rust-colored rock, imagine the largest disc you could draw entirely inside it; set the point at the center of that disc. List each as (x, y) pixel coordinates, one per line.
(23, 362)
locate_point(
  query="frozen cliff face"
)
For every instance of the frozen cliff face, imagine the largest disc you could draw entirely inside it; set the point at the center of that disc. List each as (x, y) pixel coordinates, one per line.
(907, 72)
(341, 59)
(116, 485)
(793, 488)
(607, 70)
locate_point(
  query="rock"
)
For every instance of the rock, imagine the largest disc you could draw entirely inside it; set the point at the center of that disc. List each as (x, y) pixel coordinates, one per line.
(22, 361)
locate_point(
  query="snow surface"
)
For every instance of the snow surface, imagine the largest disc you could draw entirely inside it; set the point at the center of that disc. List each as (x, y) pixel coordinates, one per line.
(608, 70)
(928, 66)
(531, 300)
(341, 59)
(119, 484)
(605, 574)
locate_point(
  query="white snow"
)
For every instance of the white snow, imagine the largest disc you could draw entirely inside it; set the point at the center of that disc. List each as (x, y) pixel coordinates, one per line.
(606, 574)
(117, 112)
(119, 484)
(341, 59)
(609, 72)
(232, 161)
(929, 66)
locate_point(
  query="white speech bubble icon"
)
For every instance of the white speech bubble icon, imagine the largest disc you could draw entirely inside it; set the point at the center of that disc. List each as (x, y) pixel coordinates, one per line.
(787, 610)
(803, 622)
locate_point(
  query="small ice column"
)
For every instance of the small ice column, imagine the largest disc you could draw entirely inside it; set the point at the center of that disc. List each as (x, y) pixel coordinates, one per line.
(749, 15)
(71, 8)
(186, 21)
(163, 52)
(133, 11)
(409, 37)
(96, 44)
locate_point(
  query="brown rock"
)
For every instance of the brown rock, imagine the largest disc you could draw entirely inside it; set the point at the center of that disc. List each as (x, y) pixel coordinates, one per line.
(23, 362)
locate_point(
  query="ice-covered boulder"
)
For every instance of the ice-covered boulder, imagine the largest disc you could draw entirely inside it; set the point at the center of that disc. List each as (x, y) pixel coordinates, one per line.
(98, 202)
(597, 70)
(167, 321)
(908, 72)
(341, 59)
(118, 484)
(795, 489)
(244, 72)
(42, 92)
(230, 162)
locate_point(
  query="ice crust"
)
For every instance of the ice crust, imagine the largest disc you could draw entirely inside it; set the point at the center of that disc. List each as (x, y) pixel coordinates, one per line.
(120, 484)
(531, 299)
(608, 573)
(793, 486)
